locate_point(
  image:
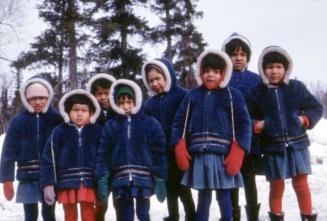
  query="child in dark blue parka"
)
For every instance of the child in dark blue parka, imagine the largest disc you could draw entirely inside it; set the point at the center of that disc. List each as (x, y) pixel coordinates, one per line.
(239, 50)
(132, 153)
(160, 79)
(68, 159)
(218, 133)
(25, 138)
(284, 109)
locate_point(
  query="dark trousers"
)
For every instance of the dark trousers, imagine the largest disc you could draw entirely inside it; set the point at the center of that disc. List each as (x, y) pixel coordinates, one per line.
(175, 190)
(224, 202)
(31, 212)
(249, 170)
(126, 209)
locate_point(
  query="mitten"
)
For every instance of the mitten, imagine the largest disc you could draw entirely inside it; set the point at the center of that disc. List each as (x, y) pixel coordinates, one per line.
(181, 155)
(103, 188)
(234, 160)
(160, 189)
(304, 121)
(8, 189)
(49, 195)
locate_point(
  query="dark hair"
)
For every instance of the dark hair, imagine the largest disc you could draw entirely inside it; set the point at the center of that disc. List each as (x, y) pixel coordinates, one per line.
(212, 61)
(274, 57)
(79, 99)
(100, 83)
(156, 67)
(237, 44)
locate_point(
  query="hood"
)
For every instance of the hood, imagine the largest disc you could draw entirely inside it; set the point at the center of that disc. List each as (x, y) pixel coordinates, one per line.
(239, 37)
(282, 52)
(135, 88)
(169, 73)
(104, 76)
(224, 56)
(65, 115)
(23, 95)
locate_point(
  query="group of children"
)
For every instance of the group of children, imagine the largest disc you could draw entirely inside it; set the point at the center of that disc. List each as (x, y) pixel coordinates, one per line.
(217, 136)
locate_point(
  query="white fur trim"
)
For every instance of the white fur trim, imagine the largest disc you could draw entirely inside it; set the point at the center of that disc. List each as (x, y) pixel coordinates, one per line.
(104, 76)
(224, 56)
(282, 52)
(236, 36)
(24, 99)
(165, 72)
(65, 115)
(137, 91)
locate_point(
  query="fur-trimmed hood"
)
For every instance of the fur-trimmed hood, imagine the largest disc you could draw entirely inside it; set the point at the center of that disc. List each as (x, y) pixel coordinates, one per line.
(23, 95)
(168, 71)
(224, 56)
(135, 88)
(104, 76)
(234, 36)
(63, 100)
(280, 51)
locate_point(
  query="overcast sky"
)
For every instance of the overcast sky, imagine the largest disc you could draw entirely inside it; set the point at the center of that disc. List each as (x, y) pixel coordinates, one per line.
(297, 25)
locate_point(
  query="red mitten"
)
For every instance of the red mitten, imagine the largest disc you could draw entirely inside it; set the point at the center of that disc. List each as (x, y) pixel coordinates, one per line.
(234, 160)
(8, 190)
(181, 155)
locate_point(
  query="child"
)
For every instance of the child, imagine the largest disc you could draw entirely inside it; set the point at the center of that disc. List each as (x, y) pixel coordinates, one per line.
(68, 159)
(131, 153)
(160, 78)
(99, 85)
(25, 138)
(284, 109)
(239, 50)
(215, 117)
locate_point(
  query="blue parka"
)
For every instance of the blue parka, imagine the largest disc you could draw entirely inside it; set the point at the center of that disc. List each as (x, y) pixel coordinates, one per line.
(164, 106)
(209, 125)
(69, 155)
(280, 106)
(25, 138)
(244, 81)
(132, 148)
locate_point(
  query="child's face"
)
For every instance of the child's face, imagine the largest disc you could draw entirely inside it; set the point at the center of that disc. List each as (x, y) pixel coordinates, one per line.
(156, 81)
(239, 59)
(126, 104)
(80, 114)
(211, 78)
(102, 96)
(274, 72)
(38, 103)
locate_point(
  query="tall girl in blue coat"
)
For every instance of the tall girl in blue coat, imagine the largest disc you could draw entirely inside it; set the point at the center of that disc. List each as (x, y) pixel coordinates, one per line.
(283, 109)
(218, 133)
(24, 141)
(239, 50)
(68, 158)
(132, 154)
(160, 79)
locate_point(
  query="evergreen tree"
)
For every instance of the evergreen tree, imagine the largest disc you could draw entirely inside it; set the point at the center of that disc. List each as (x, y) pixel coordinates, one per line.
(115, 29)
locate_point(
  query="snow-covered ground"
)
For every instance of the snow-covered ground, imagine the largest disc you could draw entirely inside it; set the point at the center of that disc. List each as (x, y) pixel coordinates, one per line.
(10, 211)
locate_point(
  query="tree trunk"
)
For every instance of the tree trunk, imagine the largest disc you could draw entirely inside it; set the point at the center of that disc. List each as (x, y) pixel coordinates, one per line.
(72, 44)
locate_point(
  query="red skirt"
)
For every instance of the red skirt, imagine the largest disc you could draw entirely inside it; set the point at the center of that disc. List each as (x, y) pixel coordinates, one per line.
(83, 194)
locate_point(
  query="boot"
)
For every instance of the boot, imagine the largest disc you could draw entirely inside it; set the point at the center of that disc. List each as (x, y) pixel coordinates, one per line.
(168, 218)
(275, 217)
(312, 217)
(236, 213)
(252, 212)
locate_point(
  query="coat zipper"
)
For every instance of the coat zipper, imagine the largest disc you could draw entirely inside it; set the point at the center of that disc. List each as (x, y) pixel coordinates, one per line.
(80, 147)
(128, 139)
(281, 117)
(38, 134)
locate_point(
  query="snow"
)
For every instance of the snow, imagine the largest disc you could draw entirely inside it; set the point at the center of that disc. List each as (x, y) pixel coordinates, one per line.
(10, 211)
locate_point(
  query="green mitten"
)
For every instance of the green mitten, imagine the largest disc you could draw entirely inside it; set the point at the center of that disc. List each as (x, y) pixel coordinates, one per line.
(103, 188)
(160, 189)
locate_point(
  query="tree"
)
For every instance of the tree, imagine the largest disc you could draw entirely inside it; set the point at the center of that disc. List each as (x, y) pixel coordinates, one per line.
(5, 85)
(183, 42)
(116, 28)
